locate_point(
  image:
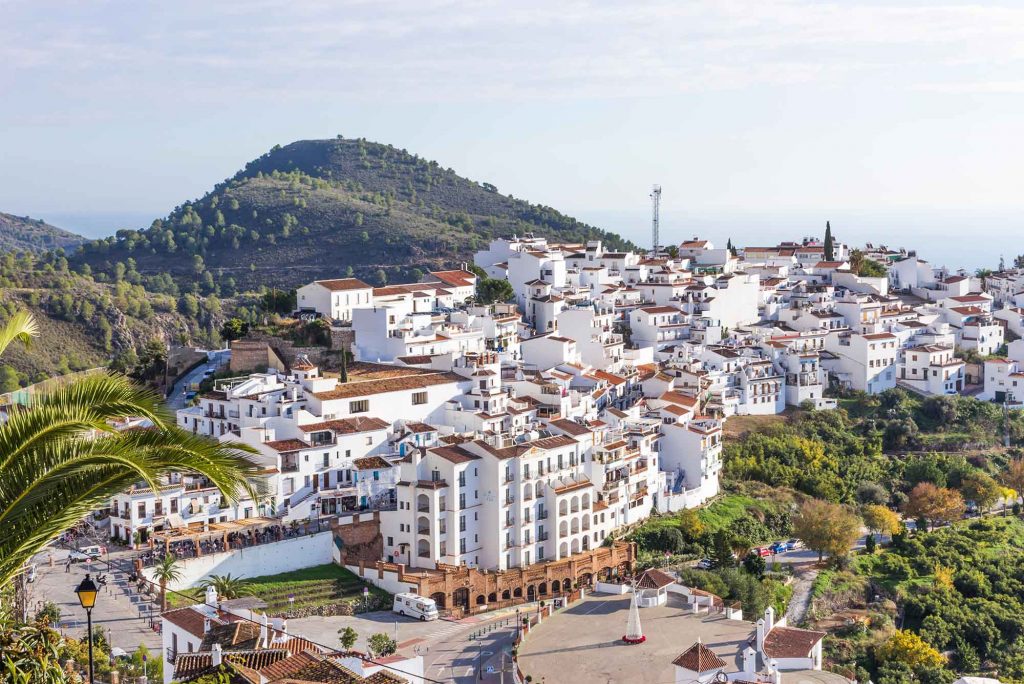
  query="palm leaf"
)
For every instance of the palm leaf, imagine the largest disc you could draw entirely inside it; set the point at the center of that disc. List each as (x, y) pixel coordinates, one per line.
(21, 326)
(60, 459)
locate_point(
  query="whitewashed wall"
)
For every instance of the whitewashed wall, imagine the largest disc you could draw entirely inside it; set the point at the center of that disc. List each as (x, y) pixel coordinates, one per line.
(389, 582)
(256, 561)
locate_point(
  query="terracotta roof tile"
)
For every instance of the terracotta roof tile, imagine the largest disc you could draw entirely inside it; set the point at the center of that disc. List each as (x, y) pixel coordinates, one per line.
(698, 658)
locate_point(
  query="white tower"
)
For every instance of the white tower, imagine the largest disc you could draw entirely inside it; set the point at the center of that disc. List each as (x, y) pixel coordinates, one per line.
(634, 634)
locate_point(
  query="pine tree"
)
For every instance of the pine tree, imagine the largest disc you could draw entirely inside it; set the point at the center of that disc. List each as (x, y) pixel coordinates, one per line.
(830, 250)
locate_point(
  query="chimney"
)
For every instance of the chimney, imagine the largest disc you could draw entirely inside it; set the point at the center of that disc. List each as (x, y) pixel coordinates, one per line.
(206, 625)
(264, 632)
(749, 660)
(215, 655)
(769, 619)
(211, 597)
(776, 675)
(760, 634)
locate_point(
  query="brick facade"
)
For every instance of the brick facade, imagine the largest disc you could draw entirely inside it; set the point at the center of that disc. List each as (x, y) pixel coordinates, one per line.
(359, 541)
(462, 589)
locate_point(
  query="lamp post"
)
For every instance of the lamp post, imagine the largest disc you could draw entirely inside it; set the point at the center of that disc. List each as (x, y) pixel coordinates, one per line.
(519, 621)
(87, 592)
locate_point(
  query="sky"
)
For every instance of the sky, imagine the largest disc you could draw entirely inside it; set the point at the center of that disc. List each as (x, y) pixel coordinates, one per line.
(897, 121)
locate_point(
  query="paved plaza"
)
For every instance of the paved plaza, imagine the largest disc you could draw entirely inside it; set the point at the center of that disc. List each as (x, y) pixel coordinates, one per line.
(583, 643)
(119, 611)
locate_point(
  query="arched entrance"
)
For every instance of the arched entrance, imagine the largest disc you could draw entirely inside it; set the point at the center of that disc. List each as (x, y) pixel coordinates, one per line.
(543, 589)
(506, 595)
(531, 593)
(439, 599)
(460, 598)
(481, 600)
(492, 598)
(518, 592)
(586, 579)
(566, 585)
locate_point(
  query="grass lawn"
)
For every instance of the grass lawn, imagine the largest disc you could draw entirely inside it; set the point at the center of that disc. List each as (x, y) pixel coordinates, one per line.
(319, 585)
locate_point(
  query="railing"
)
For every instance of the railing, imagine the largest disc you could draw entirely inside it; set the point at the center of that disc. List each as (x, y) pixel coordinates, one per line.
(171, 655)
(289, 467)
(542, 515)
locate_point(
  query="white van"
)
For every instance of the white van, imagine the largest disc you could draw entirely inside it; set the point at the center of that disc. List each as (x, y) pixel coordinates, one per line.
(416, 606)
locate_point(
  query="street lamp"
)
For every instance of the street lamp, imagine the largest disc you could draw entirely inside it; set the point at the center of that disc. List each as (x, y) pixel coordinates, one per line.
(519, 621)
(87, 592)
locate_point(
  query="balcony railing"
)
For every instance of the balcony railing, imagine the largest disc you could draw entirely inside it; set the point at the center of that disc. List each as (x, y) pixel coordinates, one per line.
(542, 515)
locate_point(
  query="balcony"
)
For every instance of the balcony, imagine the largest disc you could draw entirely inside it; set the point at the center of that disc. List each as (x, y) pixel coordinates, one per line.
(542, 537)
(543, 515)
(171, 655)
(289, 467)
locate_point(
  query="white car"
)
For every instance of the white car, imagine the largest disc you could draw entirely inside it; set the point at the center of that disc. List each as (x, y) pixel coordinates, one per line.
(86, 553)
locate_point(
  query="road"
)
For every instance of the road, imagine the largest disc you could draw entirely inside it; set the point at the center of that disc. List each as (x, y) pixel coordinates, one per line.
(453, 651)
(176, 399)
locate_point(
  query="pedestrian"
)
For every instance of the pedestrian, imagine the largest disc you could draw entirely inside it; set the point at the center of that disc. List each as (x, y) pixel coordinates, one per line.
(67, 566)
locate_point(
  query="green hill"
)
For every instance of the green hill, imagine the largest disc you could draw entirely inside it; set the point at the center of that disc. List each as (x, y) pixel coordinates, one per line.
(21, 233)
(321, 208)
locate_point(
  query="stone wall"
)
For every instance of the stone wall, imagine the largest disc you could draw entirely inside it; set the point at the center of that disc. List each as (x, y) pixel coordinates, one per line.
(358, 539)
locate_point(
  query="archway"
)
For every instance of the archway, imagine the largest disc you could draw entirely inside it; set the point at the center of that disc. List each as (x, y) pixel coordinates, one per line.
(506, 595)
(586, 579)
(492, 598)
(481, 600)
(575, 546)
(531, 593)
(606, 573)
(439, 599)
(563, 550)
(518, 592)
(460, 598)
(542, 589)
(566, 585)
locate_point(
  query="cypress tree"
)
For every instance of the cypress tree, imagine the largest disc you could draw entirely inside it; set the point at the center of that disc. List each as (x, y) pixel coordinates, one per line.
(830, 250)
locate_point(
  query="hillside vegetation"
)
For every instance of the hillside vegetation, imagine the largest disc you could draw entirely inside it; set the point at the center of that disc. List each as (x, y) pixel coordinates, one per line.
(325, 208)
(86, 324)
(21, 233)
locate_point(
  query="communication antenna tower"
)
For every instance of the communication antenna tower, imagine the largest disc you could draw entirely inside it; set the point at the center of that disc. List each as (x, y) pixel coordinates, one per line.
(655, 203)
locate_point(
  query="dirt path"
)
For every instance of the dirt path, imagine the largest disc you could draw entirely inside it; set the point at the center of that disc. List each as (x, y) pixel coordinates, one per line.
(801, 599)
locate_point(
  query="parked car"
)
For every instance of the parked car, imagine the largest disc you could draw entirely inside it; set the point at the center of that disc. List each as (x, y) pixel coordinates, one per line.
(705, 564)
(792, 544)
(761, 551)
(87, 553)
(778, 547)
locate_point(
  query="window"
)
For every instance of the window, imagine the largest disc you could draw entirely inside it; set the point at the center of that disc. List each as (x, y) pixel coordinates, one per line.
(327, 460)
(174, 505)
(391, 541)
(142, 509)
(369, 441)
(419, 398)
(361, 406)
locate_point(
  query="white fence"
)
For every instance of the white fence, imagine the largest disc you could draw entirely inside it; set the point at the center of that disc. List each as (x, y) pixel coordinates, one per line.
(256, 561)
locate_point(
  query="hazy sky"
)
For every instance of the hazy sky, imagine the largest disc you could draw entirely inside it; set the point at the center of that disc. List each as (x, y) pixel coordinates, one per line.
(745, 111)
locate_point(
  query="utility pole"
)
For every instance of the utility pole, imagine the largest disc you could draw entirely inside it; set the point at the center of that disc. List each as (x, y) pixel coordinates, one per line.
(655, 206)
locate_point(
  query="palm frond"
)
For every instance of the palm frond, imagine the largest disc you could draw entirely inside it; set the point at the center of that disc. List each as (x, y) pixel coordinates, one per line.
(21, 326)
(60, 460)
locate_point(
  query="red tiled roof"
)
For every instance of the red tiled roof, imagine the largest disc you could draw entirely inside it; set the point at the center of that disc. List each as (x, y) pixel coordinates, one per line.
(371, 463)
(789, 642)
(654, 579)
(339, 284)
(347, 426)
(698, 658)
